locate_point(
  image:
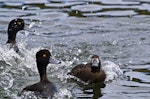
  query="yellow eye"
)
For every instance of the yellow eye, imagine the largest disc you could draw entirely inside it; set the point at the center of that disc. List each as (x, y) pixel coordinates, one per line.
(19, 23)
(44, 55)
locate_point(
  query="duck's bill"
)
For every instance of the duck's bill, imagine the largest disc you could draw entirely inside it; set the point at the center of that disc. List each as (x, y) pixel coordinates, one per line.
(26, 28)
(95, 62)
(54, 61)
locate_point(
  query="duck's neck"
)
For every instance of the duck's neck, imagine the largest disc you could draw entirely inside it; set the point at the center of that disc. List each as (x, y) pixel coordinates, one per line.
(96, 69)
(42, 73)
(11, 41)
(11, 36)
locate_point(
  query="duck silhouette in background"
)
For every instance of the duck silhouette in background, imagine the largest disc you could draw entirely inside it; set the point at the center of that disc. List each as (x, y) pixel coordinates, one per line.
(14, 26)
(44, 87)
(90, 72)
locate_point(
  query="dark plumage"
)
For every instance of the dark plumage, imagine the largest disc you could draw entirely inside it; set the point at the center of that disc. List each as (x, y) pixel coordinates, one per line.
(14, 26)
(44, 87)
(90, 72)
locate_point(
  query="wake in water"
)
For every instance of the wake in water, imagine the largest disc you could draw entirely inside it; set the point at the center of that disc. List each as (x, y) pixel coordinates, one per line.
(15, 68)
(111, 70)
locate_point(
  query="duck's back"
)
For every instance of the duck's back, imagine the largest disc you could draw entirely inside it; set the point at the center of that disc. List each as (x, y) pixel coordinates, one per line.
(49, 89)
(44, 89)
(77, 69)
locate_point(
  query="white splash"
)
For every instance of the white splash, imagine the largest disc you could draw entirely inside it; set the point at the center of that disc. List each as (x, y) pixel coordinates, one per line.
(63, 94)
(57, 70)
(6, 80)
(8, 55)
(112, 70)
(15, 65)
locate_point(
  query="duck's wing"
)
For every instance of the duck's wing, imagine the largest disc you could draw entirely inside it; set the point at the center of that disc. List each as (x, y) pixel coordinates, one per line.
(34, 87)
(81, 71)
(77, 69)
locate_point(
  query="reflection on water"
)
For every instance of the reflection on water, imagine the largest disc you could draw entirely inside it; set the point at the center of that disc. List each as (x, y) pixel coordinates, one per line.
(89, 90)
(117, 30)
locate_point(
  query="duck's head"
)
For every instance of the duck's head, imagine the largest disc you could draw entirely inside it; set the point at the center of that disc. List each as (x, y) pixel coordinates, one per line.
(43, 58)
(95, 63)
(14, 26)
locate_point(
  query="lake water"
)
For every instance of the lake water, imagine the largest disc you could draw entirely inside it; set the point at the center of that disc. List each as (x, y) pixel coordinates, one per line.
(116, 30)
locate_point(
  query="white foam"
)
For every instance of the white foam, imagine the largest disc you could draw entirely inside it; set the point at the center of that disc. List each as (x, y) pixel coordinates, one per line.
(112, 70)
(63, 93)
(6, 80)
(8, 55)
(60, 70)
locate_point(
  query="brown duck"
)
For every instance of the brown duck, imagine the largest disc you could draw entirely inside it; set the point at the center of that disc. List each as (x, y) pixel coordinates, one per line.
(90, 72)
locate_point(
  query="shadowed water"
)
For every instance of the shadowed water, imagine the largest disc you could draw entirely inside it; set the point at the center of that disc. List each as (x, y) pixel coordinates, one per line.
(116, 30)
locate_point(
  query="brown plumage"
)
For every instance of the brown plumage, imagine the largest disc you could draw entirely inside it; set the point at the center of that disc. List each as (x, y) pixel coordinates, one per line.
(90, 72)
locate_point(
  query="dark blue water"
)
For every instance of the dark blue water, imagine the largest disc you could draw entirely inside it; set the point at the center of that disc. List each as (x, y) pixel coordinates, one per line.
(116, 30)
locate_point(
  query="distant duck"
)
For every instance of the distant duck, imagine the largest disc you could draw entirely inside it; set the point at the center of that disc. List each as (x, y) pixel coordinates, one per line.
(90, 72)
(14, 26)
(44, 87)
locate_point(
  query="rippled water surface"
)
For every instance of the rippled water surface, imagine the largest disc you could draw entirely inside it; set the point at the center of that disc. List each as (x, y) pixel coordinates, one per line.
(116, 30)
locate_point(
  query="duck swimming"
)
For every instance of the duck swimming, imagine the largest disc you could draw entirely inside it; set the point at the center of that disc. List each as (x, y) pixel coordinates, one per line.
(44, 87)
(14, 26)
(90, 72)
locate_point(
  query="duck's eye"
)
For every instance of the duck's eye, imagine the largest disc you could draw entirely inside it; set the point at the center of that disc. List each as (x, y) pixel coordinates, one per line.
(44, 55)
(19, 23)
